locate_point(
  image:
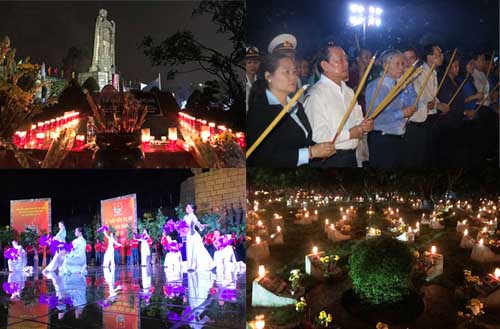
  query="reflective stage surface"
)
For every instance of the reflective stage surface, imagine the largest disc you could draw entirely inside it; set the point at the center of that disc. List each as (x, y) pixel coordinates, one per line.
(128, 297)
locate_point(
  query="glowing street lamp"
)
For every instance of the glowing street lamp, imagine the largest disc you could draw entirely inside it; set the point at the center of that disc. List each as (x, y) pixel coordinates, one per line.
(361, 15)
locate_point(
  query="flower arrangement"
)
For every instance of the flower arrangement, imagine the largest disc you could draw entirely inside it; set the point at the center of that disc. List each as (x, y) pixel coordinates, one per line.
(324, 319)
(301, 304)
(102, 229)
(473, 310)
(471, 280)
(11, 253)
(173, 290)
(381, 325)
(295, 279)
(328, 264)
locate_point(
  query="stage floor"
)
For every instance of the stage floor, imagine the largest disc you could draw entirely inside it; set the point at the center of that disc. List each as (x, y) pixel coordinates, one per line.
(133, 297)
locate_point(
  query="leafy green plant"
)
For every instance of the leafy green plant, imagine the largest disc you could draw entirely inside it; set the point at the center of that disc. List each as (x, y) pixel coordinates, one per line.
(29, 236)
(380, 269)
(6, 235)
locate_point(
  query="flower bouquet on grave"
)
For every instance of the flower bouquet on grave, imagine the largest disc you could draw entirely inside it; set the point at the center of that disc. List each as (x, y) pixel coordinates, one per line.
(470, 312)
(295, 280)
(229, 150)
(329, 265)
(345, 229)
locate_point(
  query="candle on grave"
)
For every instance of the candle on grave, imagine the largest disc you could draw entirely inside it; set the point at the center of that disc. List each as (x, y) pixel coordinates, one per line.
(496, 273)
(172, 137)
(262, 271)
(260, 323)
(80, 140)
(257, 240)
(145, 136)
(205, 133)
(211, 125)
(241, 139)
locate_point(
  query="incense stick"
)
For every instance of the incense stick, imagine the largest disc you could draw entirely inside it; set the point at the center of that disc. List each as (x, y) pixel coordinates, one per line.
(458, 90)
(377, 90)
(276, 120)
(445, 73)
(421, 91)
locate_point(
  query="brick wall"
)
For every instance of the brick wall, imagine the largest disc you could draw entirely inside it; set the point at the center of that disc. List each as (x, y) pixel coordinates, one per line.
(215, 189)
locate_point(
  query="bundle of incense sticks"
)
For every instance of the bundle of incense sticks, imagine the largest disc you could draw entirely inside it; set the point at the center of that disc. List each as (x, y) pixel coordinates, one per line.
(402, 83)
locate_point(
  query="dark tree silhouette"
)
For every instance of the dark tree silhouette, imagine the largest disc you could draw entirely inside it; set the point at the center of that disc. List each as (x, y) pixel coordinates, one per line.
(182, 47)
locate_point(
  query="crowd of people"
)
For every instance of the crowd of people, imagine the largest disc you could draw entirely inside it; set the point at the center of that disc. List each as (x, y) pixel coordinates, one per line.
(446, 115)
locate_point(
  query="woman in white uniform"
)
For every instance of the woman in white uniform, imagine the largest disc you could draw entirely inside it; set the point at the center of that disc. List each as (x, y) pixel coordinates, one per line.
(197, 255)
(145, 251)
(58, 258)
(18, 264)
(109, 255)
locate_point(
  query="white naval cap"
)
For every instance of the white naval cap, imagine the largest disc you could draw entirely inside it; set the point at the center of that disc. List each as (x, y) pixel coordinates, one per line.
(282, 42)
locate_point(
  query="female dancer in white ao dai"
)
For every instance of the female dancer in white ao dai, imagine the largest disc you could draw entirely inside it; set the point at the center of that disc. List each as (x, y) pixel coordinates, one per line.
(58, 258)
(145, 251)
(109, 255)
(197, 255)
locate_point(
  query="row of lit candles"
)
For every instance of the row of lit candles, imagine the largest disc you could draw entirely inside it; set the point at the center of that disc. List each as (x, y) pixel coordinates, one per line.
(45, 130)
(207, 129)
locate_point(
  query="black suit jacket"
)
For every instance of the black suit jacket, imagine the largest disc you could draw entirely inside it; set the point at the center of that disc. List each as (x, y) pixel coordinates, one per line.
(281, 147)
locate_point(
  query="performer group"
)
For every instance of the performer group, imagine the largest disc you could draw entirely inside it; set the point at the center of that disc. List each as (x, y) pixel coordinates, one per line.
(403, 108)
(67, 258)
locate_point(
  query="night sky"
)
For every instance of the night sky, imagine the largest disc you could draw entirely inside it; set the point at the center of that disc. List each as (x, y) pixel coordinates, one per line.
(45, 31)
(76, 194)
(466, 24)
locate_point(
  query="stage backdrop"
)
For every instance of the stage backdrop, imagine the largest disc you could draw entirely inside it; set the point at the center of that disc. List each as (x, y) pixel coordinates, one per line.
(119, 212)
(35, 212)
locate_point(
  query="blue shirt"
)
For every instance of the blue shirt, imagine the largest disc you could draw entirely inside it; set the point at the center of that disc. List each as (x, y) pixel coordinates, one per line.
(303, 152)
(391, 120)
(468, 90)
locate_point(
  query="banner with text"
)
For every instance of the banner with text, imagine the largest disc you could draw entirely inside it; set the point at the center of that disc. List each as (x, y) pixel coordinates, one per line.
(30, 212)
(119, 212)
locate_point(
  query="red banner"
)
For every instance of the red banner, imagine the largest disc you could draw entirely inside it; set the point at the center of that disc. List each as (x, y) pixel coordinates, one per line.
(31, 212)
(119, 212)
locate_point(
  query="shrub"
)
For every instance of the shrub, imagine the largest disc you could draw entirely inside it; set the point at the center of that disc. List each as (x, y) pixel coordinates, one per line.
(381, 269)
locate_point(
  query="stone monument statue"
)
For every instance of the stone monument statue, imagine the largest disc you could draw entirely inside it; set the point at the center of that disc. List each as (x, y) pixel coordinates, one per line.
(103, 66)
(104, 44)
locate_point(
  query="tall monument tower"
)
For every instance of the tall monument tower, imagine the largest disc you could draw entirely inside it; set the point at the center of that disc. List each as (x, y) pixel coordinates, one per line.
(103, 67)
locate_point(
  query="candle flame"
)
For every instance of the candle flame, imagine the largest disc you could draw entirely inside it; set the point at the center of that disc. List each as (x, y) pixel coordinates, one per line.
(466, 231)
(260, 323)
(278, 229)
(433, 250)
(257, 240)
(496, 274)
(262, 271)
(315, 250)
(481, 242)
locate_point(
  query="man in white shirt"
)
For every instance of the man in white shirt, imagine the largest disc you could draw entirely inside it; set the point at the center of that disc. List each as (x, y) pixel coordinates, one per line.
(418, 135)
(252, 64)
(327, 102)
(480, 81)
